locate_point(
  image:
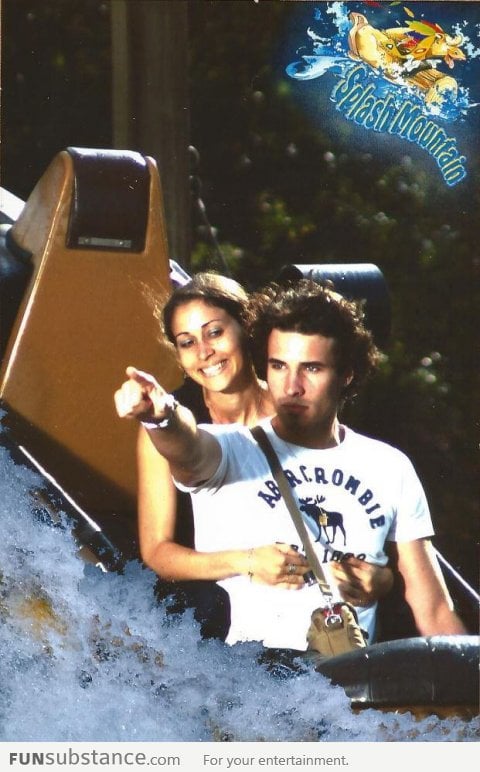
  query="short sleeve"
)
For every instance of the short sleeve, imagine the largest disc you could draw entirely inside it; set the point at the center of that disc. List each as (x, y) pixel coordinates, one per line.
(413, 519)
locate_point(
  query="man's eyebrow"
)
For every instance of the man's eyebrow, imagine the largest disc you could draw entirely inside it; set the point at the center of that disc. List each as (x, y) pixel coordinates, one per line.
(314, 362)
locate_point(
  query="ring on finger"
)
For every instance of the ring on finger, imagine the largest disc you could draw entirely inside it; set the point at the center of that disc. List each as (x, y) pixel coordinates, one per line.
(291, 568)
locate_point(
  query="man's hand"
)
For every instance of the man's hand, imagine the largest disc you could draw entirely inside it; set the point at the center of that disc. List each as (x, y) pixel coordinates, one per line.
(361, 583)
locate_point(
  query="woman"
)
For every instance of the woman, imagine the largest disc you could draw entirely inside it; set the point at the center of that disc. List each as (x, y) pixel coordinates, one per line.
(204, 321)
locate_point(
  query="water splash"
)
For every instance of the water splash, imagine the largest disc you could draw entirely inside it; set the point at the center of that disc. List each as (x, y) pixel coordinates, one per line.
(91, 656)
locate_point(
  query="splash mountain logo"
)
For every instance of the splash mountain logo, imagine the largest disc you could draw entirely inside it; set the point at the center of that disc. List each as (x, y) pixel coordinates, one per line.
(390, 80)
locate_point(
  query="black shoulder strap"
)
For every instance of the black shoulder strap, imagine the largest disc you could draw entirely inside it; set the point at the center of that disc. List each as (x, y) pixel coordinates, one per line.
(282, 482)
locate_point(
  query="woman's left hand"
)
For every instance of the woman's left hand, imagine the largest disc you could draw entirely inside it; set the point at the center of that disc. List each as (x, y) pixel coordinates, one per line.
(361, 583)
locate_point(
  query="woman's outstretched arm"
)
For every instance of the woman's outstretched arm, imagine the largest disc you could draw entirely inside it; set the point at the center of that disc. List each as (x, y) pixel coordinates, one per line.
(157, 515)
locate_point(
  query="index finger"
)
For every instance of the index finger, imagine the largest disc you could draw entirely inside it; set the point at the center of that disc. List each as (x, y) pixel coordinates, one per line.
(141, 377)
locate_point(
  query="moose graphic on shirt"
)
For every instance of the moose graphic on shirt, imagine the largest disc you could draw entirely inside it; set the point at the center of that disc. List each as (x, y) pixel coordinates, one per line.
(322, 518)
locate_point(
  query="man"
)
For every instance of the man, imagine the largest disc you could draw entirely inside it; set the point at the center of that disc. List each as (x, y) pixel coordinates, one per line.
(355, 493)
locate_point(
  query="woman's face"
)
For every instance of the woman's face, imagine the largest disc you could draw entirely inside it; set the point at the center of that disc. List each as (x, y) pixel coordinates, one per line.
(210, 345)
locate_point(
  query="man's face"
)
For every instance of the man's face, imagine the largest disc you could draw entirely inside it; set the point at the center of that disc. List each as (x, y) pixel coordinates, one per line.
(305, 386)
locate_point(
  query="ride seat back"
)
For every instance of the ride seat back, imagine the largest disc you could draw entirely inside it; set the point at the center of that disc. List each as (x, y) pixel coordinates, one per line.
(95, 227)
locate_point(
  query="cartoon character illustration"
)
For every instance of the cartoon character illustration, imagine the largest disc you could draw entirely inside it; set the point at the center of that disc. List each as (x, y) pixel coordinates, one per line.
(392, 80)
(322, 518)
(405, 55)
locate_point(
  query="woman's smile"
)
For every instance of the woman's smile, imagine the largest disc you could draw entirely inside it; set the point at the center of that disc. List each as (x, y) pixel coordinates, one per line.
(213, 370)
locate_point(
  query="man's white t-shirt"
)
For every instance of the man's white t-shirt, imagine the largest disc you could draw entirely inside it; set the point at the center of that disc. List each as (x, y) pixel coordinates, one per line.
(368, 489)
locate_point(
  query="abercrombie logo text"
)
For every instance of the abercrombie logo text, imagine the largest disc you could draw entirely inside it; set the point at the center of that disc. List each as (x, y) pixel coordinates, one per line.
(319, 476)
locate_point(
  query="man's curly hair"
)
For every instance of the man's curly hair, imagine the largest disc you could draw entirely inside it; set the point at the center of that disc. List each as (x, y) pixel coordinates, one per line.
(310, 308)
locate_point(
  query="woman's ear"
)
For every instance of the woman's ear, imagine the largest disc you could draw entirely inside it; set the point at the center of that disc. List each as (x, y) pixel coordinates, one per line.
(348, 379)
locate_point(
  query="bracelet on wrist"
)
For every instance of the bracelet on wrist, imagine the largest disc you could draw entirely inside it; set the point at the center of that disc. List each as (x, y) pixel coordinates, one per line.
(163, 423)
